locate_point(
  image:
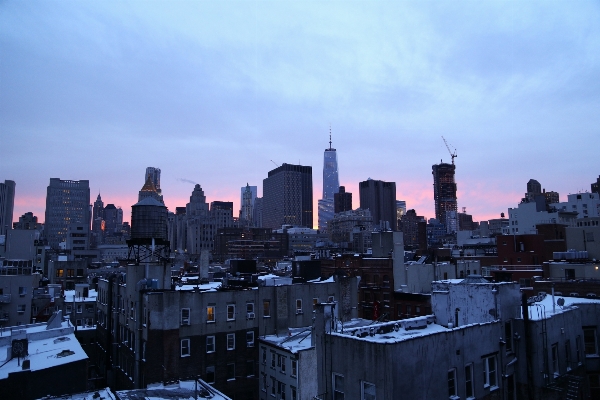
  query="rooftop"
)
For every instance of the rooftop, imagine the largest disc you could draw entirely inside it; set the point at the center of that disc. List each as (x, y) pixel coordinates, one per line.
(183, 390)
(542, 306)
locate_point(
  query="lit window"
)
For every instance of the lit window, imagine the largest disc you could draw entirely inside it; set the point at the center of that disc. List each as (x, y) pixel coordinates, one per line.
(210, 314)
(210, 344)
(230, 341)
(230, 312)
(185, 347)
(266, 308)
(315, 302)
(368, 391)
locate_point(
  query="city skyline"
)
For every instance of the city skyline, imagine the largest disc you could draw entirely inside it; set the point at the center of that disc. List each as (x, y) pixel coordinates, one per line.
(100, 92)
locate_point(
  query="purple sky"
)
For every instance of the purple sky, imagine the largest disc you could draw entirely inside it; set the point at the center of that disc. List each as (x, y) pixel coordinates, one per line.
(211, 92)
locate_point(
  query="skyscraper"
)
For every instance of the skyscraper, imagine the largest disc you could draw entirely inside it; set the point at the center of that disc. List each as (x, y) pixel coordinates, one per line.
(67, 202)
(444, 190)
(97, 222)
(7, 202)
(342, 201)
(331, 185)
(287, 197)
(380, 198)
(154, 175)
(149, 190)
(247, 198)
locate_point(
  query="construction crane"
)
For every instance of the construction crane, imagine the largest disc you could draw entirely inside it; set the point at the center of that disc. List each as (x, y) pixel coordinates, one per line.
(453, 155)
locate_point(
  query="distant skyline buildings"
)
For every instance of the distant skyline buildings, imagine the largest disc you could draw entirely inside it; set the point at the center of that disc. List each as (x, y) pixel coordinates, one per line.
(380, 198)
(288, 197)
(331, 185)
(7, 201)
(444, 190)
(247, 198)
(67, 202)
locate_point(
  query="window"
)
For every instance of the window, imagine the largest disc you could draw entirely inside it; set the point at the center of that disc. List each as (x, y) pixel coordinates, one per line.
(185, 316)
(282, 364)
(452, 382)
(367, 391)
(230, 312)
(210, 314)
(59, 272)
(210, 374)
(408, 311)
(70, 273)
(281, 390)
(294, 395)
(294, 367)
(589, 340)
(469, 381)
(272, 359)
(34, 310)
(264, 355)
(79, 309)
(315, 302)
(273, 386)
(338, 387)
(230, 371)
(69, 309)
(231, 341)
(250, 310)
(508, 336)
(21, 308)
(298, 306)
(249, 367)
(489, 372)
(250, 339)
(22, 291)
(555, 359)
(264, 382)
(210, 344)
(578, 349)
(266, 308)
(185, 347)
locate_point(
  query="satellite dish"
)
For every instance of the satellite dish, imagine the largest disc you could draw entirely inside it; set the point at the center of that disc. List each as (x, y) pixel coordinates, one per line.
(560, 302)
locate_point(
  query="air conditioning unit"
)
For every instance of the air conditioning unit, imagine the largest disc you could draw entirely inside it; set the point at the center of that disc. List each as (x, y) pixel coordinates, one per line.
(250, 315)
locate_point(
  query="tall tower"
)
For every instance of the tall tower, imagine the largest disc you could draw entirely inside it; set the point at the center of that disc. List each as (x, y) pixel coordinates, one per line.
(380, 198)
(287, 197)
(67, 202)
(331, 186)
(154, 175)
(97, 222)
(7, 202)
(444, 190)
(247, 204)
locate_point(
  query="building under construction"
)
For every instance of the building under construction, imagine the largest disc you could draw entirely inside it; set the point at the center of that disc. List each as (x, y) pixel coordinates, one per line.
(444, 190)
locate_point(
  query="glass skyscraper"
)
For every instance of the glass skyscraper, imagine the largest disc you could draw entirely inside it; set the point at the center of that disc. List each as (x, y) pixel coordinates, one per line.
(331, 185)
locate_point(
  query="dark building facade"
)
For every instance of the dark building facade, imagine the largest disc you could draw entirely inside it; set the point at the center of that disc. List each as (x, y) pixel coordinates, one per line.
(596, 186)
(288, 197)
(66, 202)
(7, 200)
(380, 198)
(444, 190)
(415, 235)
(342, 201)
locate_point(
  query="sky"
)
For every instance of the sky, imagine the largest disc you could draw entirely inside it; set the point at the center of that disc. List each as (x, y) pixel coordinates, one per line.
(217, 93)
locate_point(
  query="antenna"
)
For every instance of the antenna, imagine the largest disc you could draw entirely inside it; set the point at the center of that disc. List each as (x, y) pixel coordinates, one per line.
(329, 136)
(275, 163)
(453, 155)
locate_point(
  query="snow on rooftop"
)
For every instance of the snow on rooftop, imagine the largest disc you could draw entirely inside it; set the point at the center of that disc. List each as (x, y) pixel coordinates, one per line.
(318, 280)
(46, 348)
(100, 394)
(395, 331)
(182, 390)
(297, 339)
(205, 287)
(70, 296)
(544, 308)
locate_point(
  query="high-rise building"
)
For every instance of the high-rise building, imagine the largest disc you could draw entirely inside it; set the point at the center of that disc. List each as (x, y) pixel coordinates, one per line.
(67, 202)
(154, 174)
(534, 188)
(28, 221)
(287, 197)
(444, 190)
(596, 186)
(331, 185)
(380, 198)
(149, 190)
(247, 198)
(7, 202)
(342, 200)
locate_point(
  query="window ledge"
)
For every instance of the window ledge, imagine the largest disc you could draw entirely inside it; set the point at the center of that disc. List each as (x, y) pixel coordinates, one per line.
(493, 388)
(454, 398)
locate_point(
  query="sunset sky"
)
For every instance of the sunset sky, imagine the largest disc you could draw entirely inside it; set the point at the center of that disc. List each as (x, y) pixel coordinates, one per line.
(215, 93)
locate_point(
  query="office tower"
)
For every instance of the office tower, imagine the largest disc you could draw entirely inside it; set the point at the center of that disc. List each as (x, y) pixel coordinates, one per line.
(534, 188)
(411, 226)
(152, 174)
(149, 190)
(28, 221)
(247, 198)
(596, 186)
(287, 197)
(257, 213)
(342, 200)
(67, 202)
(7, 202)
(113, 220)
(331, 185)
(380, 198)
(444, 190)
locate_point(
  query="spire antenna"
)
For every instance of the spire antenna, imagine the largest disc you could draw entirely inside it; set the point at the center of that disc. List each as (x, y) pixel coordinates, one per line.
(329, 136)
